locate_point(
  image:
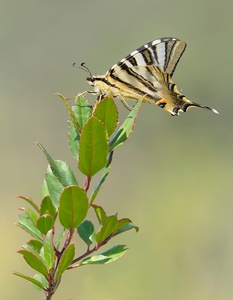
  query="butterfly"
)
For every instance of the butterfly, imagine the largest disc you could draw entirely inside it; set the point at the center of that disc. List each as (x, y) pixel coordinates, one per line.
(146, 74)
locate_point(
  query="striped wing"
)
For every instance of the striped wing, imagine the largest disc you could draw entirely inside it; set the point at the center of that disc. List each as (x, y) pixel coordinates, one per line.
(164, 53)
(147, 72)
(148, 69)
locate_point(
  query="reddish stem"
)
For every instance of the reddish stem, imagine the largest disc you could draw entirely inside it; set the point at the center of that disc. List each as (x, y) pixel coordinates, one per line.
(87, 183)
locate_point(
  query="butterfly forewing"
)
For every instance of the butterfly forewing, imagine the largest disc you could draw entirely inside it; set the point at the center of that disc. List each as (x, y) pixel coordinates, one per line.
(163, 53)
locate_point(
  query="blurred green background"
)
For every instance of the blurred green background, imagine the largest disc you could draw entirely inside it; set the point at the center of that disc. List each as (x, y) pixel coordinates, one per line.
(173, 177)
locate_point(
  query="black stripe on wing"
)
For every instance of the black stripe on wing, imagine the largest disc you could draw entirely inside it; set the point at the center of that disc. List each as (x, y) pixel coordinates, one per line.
(164, 53)
(132, 79)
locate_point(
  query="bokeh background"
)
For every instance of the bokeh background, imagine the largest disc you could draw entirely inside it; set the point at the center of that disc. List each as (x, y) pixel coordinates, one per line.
(173, 177)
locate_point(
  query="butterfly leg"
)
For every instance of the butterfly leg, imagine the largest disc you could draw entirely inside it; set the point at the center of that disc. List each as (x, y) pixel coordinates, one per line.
(126, 105)
(101, 97)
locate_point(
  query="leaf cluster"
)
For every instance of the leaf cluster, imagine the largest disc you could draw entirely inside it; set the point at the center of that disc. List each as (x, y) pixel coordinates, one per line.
(94, 135)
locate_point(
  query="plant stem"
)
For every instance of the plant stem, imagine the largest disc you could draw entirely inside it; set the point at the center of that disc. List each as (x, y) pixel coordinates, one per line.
(87, 183)
(82, 256)
(48, 296)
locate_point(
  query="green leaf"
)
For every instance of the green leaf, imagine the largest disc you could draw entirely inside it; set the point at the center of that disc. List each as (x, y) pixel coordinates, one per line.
(106, 111)
(60, 169)
(45, 223)
(42, 280)
(44, 189)
(59, 237)
(74, 137)
(37, 245)
(102, 179)
(59, 175)
(32, 250)
(26, 224)
(34, 262)
(70, 112)
(55, 185)
(87, 232)
(126, 128)
(100, 213)
(93, 147)
(30, 201)
(82, 111)
(105, 257)
(125, 225)
(49, 255)
(66, 260)
(106, 229)
(73, 207)
(31, 215)
(32, 280)
(47, 207)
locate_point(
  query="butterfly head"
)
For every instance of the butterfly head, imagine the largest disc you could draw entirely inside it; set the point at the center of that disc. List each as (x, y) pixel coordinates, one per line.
(91, 79)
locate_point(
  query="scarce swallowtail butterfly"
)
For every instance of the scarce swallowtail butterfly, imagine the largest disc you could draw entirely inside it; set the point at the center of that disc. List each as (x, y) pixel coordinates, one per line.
(146, 74)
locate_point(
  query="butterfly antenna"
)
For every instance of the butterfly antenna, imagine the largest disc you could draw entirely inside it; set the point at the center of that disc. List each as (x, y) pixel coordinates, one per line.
(83, 67)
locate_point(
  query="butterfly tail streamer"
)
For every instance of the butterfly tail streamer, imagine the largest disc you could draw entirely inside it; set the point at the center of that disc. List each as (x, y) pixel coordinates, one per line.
(194, 104)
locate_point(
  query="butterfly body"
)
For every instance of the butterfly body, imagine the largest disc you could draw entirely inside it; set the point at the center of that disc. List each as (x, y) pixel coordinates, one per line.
(146, 74)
